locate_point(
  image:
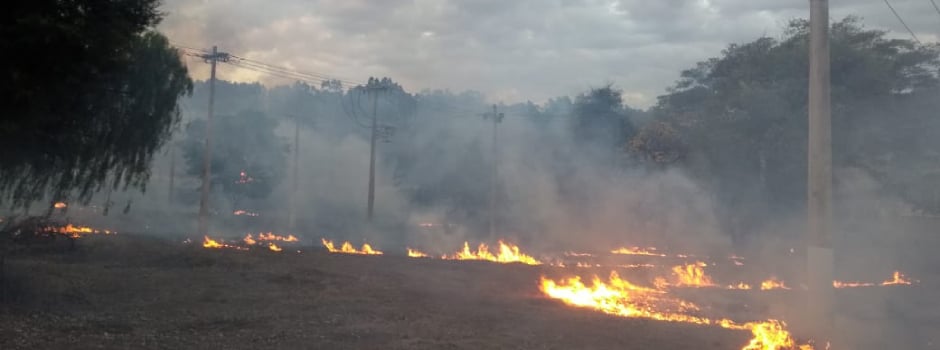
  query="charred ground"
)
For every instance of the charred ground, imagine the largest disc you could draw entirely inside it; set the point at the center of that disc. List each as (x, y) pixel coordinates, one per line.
(130, 291)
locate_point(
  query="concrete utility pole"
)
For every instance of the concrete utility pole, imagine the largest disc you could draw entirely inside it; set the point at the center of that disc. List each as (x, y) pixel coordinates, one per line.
(292, 219)
(374, 91)
(212, 59)
(820, 261)
(494, 175)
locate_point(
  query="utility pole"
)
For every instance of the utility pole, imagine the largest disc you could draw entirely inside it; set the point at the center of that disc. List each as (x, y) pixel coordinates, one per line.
(494, 174)
(374, 91)
(292, 219)
(820, 260)
(212, 59)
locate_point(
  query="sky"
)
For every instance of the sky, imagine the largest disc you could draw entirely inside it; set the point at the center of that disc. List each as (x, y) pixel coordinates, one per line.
(511, 50)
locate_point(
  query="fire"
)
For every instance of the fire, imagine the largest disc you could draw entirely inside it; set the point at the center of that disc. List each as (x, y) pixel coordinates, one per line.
(621, 298)
(898, 278)
(60, 205)
(772, 283)
(740, 286)
(241, 212)
(347, 248)
(651, 251)
(689, 275)
(273, 237)
(840, 284)
(413, 253)
(78, 231)
(214, 244)
(274, 248)
(508, 253)
(243, 178)
(249, 240)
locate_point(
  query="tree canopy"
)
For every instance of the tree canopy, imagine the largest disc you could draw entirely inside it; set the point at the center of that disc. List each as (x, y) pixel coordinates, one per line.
(738, 121)
(90, 93)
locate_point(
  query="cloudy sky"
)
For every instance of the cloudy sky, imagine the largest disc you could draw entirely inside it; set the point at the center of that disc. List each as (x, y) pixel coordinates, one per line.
(512, 50)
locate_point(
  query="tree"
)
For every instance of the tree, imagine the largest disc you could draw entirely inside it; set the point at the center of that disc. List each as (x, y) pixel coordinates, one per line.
(90, 93)
(601, 119)
(248, 158)
(743, 115)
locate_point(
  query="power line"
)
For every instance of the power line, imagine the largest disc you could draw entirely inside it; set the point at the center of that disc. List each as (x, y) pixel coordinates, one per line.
(267, 68)
(935, 7)
(902, 21)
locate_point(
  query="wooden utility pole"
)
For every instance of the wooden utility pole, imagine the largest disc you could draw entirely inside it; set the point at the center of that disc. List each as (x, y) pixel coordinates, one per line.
(172, 173)
(494, 167)
(820, 261)
(212, 59)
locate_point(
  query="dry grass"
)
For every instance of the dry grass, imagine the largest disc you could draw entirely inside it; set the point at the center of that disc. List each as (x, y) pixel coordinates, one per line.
(127, 291)
(137, 292)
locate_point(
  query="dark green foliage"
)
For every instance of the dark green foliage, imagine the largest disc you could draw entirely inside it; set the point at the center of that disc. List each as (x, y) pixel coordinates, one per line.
(89, 92)
(248, 159)
(738, 122)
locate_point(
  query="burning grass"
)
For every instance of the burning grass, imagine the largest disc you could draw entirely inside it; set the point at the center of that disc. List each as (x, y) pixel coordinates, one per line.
(507, 253)
(347, 248)
(620, 297)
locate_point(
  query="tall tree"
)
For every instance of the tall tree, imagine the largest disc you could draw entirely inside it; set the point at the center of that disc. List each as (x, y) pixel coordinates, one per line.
(89, 93)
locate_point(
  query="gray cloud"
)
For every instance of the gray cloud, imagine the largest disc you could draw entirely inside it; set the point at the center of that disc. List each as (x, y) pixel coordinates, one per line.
(511, 50)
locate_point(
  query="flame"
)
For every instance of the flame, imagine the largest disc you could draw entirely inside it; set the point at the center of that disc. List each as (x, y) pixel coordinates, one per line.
(214, 244)
(508, 253)
(416, 253)
(249, 240)
(241, 212)
(740, 286)
(621, 298)
(73, 231)
(273, 237)
(60, 205)
(651, 251)
(840, 284)
(772, 283)
(898, 279)
(689, 275)
(274, 248)
(347, 248)
(243, 178)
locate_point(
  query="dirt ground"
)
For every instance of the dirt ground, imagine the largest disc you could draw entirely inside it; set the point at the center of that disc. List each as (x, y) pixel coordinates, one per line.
(134, 292)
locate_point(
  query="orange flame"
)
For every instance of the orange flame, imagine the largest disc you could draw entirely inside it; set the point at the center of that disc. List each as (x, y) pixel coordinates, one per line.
(60, 205)
(273, 237)
(416, 253)
(249, 240)
(651, 251)
(347, 248)
(689, 275)
(740, 286)
(621, 298)
(78, 231)
(772, 283)
(898, 278)
(274, 248)
(508, 253)
(214, 244)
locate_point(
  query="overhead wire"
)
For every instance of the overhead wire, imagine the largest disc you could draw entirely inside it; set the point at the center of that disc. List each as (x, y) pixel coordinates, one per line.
(902, 22)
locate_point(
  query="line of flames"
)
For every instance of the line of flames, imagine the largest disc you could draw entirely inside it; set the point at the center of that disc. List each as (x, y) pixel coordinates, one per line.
(507, 253)
(621, 298)
(74, 231)
(347, 248)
